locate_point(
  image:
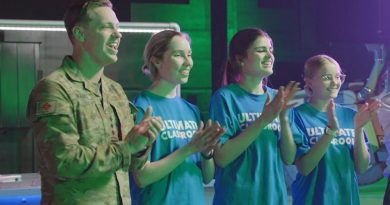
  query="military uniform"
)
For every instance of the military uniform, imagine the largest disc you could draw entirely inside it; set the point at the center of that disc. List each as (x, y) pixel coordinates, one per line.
(80, 129)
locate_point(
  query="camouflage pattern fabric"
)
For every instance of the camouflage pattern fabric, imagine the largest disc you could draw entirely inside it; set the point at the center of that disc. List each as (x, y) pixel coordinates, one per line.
(80, 128)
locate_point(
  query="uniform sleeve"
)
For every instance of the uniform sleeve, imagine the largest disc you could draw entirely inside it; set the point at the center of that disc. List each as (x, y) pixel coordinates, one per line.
(219, 111)
(297, 131)
(138, 161)
(62, 151)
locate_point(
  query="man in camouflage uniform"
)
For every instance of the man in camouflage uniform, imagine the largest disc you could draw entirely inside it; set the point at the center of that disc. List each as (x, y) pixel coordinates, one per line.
(81, 119)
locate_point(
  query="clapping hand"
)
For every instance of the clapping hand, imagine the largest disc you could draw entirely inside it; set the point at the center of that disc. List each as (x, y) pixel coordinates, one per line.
(289, 92)
(145, 132)
(280, 102)
(333, 123)
(364, 113)
(206, 137)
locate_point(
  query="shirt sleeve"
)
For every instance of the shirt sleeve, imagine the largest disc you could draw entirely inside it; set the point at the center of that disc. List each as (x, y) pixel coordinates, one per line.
(298, 134)
(139, 115)
(63, 152)
(138, 162)
(219, 111)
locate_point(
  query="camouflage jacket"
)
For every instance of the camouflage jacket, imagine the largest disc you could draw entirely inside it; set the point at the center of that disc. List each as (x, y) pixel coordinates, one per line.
(80, 136)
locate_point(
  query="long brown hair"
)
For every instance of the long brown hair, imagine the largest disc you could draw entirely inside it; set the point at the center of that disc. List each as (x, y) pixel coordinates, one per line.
(238, 47)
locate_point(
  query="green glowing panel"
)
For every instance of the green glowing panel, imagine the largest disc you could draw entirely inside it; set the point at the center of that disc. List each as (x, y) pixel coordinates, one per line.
(17, 77)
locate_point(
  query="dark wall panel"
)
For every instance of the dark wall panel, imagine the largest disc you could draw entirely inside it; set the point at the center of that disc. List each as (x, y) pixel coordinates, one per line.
(51, 9)
(35, 10)
(162, 1)
(357, 21)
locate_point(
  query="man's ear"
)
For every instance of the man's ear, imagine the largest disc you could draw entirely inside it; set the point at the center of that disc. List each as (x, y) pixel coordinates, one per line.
(78, 33)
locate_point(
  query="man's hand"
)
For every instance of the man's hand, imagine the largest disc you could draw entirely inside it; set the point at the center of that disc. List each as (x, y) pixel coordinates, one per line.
(145, 132)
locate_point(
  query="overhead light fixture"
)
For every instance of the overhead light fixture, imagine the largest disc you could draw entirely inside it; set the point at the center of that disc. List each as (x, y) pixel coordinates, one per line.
(124, 27)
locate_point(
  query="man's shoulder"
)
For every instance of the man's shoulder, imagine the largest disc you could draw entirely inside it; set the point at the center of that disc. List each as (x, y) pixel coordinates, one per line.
(113, 85)
(112, 82)
(57, 77)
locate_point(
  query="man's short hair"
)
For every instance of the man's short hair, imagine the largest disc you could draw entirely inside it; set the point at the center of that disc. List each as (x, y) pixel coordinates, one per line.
(77, 13)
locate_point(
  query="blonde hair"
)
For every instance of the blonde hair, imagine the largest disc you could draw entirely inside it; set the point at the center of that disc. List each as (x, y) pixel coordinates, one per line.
(313, 65)
(156, 47)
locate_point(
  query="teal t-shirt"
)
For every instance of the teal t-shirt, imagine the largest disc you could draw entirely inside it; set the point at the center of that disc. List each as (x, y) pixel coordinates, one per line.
(256, 176)
(333, 181)
(184, 184)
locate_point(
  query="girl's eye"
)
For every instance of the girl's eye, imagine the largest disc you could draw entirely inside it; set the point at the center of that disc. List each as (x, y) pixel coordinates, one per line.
(326, 77)
(265, 50)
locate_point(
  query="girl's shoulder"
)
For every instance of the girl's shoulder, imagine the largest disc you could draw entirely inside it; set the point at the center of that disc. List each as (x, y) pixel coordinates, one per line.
(344, 109)
(189, 105)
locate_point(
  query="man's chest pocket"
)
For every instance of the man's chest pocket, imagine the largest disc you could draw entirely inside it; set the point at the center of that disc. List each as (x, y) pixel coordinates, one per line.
(93, 123)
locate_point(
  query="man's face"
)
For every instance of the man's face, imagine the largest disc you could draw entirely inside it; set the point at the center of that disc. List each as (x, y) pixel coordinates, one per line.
(101, 36)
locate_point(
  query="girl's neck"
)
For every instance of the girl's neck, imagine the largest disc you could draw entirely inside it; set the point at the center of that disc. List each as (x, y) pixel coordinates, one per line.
(164, 89)
(253, 85)
(318, 104)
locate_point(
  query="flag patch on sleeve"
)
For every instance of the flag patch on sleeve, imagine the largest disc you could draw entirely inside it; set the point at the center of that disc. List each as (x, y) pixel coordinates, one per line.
(44, 108)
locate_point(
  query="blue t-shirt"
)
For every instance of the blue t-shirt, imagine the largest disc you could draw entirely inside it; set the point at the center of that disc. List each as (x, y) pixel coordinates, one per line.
(333, 181)
(256, 176)
(184, 184)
